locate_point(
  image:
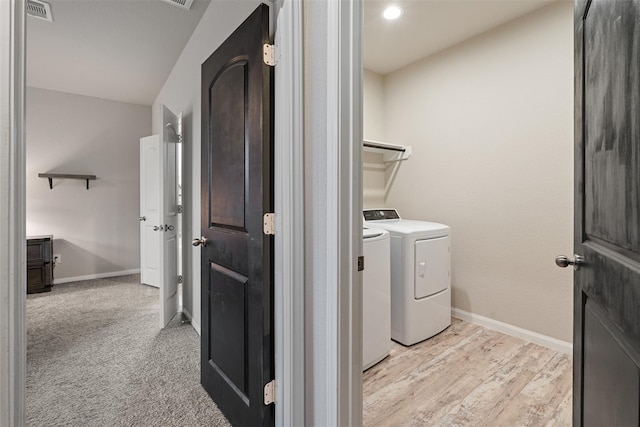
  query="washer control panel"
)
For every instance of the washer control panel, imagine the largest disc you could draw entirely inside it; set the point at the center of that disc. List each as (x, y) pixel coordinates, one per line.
(380, 214)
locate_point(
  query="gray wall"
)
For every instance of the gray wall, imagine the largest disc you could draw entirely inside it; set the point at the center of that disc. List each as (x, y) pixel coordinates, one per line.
(491, 125)
(95, 231)
(181, 92)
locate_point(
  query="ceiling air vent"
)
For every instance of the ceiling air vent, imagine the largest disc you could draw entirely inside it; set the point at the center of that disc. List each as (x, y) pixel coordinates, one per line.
(39, 9)
(182, 4)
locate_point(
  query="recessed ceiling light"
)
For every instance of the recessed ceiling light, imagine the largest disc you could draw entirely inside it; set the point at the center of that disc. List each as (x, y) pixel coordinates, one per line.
(392, 12)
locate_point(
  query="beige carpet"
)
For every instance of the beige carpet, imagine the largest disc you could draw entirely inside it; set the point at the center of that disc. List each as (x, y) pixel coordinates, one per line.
(96, 357)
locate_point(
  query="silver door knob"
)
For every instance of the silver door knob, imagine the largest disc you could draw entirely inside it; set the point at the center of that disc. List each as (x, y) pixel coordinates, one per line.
(143, 218)
(202, 241)
(169, 228)
(156, 228)
(563, 261)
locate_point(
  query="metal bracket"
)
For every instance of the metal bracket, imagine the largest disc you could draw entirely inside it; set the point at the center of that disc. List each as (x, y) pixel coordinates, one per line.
(269, 54)
(180, 209)
(269, 224)
(180, 279)
(270, 392)
(173, 136)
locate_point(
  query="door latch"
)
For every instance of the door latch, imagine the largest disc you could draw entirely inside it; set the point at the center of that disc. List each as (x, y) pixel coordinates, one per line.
(360, 263)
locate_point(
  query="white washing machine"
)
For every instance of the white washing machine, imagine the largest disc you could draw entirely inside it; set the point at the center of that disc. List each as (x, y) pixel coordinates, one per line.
(376, 297)
(420, 275)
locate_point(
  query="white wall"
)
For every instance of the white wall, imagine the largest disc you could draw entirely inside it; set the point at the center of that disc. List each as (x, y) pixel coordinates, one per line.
(491, 126)
(181, 92)
(95, 231)
(373, 129)
(373, 106)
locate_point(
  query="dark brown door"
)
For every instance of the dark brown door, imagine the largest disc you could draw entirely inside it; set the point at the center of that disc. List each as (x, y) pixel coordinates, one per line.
(607, 215)
(237, 307)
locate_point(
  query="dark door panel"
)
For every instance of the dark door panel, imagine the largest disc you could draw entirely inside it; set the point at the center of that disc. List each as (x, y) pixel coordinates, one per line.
(607, 209)
(609, 371)
(227, 121)
(237, 307)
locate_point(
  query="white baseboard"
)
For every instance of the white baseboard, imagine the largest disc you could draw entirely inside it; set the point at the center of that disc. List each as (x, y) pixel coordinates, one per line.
(196, 326)
(514, 331)
(95, 276)
(188, 315)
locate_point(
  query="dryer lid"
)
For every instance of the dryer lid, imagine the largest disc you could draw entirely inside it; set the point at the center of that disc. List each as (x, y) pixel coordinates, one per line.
(408, 227)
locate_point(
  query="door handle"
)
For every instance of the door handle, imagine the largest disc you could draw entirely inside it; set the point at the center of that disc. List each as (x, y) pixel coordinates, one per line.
(562, 261)
(143, 218)
(202, 241)
(156, 228)
(422, 268)
(168, 227)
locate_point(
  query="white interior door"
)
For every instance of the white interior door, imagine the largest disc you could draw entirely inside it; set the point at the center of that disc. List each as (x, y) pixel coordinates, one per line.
(159, 213)
(150, 212)
(172, 127)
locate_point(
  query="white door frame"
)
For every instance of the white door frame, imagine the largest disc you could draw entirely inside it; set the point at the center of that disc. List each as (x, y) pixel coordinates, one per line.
(289, 242)
(318, 137)
(12, 214)
(324, 149)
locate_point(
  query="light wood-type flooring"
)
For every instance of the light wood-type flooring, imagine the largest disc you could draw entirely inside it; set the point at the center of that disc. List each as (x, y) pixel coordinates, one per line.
(469, 376)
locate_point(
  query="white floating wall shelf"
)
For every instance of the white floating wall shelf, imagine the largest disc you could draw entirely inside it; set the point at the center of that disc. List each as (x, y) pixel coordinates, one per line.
(390, 152)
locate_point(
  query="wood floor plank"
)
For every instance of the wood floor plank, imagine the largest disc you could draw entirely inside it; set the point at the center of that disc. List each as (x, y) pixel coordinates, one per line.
(563, 413)
(469, 376)
(403, 360)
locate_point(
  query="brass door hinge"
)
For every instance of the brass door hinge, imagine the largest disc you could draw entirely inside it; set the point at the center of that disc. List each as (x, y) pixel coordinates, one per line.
(269, 224)
(270, 392)
(269, 54)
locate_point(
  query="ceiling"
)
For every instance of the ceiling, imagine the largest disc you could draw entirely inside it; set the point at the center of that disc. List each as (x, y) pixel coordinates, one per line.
(429, 26)
(122, 50)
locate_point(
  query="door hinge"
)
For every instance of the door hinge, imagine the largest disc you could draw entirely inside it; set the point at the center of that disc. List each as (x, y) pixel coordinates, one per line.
(180, 279)
(270, 392)
(180, 209)
(269, 224)
(269, 54)
(360, 263)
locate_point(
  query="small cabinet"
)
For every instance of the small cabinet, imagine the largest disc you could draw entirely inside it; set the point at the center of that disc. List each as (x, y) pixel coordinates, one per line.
(39, 264)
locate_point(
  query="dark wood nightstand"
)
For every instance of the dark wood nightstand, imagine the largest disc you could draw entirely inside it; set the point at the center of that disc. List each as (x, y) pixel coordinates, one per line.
(39, 263)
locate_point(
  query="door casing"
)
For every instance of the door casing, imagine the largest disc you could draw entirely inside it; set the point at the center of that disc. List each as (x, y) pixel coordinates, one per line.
(13, 299)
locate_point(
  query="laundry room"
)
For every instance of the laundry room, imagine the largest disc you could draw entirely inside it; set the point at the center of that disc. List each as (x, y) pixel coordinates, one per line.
(471, 126)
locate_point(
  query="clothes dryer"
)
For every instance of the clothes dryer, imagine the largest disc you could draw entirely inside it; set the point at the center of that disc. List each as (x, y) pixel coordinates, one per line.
(420, 275)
